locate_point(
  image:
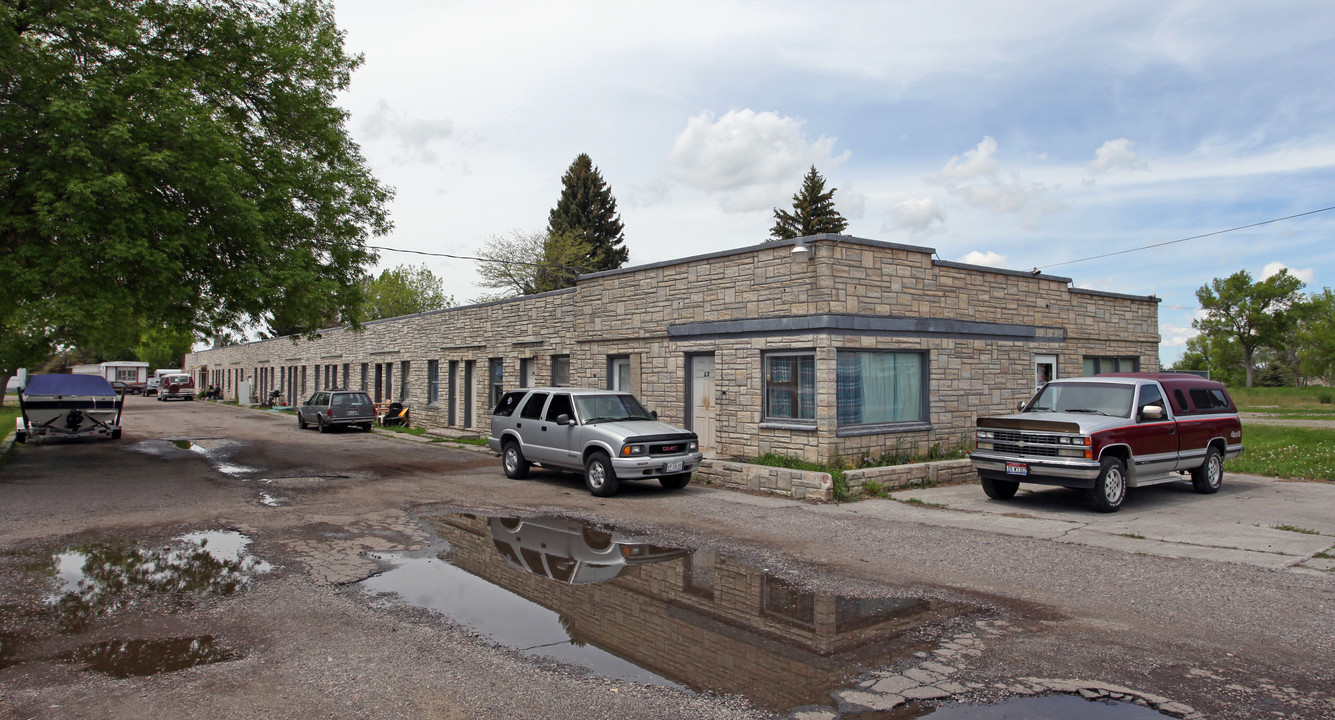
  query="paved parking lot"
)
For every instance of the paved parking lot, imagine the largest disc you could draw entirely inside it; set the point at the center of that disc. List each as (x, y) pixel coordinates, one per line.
(1251, 520)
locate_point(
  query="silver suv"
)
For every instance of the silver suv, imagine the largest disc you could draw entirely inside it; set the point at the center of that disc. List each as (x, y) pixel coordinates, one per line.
(328, 409)
(606, 435)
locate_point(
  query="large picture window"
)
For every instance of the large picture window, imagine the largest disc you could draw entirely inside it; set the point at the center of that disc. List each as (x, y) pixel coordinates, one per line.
(880, 387)
(790, 386)
(1099, 365)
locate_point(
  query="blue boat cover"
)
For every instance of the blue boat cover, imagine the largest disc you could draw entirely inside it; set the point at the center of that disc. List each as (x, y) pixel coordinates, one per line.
(68, 385)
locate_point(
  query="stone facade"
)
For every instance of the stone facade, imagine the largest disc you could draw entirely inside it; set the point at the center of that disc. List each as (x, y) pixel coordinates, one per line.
(977, 333)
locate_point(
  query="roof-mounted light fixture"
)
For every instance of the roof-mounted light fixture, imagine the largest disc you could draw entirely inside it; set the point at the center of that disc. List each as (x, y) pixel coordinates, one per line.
(800, 251)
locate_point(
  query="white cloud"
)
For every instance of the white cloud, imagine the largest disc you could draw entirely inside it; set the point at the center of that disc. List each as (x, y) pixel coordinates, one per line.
(976, 163)
(988, 258)
(916, 215)
(1114, 155)
(749, 160)
(1307, 275)
(413, 136)
(1176, 335)
(980, 180)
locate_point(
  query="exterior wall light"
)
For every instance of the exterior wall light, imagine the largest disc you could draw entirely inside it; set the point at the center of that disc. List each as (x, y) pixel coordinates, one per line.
(801, 251)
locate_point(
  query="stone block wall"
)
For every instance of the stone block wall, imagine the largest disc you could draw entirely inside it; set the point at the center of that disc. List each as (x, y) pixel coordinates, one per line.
(982, 330)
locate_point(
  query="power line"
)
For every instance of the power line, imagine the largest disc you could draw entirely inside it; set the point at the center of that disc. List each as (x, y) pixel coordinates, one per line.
(576, 268)
(1194, 237)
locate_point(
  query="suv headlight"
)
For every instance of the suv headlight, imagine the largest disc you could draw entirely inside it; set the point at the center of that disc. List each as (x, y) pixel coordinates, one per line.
(634, 450)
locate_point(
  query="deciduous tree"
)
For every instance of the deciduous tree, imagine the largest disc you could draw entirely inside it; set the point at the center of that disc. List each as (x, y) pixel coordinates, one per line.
(177, 164)
(1251, 314)
(813, 211)
(405, 290)
(525, 263)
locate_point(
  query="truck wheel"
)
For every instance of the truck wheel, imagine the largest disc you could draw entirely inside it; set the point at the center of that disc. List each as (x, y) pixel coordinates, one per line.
(1000, 489)
(1110, 488)
(599, 476)
(1210, 475)
(675, 482)
(513, 462)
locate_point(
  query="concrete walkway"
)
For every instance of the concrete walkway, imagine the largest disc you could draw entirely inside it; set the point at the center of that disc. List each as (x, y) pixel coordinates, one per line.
(1245, 522)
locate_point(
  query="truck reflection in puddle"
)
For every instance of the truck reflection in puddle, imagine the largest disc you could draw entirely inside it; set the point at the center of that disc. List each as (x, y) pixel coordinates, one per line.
(638, 611)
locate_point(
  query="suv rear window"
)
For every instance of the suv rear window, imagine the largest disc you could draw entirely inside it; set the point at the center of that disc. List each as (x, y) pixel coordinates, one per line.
(509, 401)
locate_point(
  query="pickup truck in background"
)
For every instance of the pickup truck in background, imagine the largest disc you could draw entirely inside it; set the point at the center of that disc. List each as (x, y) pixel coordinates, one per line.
(1107, 433)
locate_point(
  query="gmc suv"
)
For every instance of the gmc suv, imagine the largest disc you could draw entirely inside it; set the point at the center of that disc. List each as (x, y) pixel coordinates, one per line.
(1107, 433)
(606, 435)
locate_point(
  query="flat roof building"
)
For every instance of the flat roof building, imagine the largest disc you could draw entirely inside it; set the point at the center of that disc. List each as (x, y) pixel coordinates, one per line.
(821, 348)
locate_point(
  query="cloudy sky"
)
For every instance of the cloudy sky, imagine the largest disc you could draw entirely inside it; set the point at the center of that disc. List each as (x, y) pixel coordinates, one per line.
(1020, 134)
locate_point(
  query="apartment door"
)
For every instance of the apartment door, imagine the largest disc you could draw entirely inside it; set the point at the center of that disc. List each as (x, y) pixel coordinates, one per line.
(1045, 369)
(703, 406)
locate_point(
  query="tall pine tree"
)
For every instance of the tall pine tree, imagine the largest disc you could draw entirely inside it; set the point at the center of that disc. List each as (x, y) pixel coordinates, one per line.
(588, 212)
(813, 212)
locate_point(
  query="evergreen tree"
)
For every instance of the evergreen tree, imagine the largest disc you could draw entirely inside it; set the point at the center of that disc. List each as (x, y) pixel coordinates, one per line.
(588, 212)
(813, 211)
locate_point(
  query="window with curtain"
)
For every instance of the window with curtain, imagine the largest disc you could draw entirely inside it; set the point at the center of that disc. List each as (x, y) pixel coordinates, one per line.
(790, 386)
(880, 387)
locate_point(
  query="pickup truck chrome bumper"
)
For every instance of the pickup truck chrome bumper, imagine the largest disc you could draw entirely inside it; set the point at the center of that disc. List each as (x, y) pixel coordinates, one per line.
(1070, 472)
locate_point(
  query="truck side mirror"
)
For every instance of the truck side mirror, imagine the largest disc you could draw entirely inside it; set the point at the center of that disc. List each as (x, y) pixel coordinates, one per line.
(1151, 412)
(653, 414)
(563, 419)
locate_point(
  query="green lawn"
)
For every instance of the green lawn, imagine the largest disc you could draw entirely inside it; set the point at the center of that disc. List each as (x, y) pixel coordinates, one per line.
(1315, 402)
(1286, 452)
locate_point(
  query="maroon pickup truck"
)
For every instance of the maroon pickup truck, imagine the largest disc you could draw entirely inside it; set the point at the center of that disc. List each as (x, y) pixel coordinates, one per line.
(1107, 433)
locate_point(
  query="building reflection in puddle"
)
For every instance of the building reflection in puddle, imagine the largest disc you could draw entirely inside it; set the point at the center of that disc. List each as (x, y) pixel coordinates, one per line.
(591, 596)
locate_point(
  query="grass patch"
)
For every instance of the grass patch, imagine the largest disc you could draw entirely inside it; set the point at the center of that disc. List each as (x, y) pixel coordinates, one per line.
(1133, 536)
(1295, 528)
(1283, 399)
(8, 412)
(1287, 452)
(837, 468)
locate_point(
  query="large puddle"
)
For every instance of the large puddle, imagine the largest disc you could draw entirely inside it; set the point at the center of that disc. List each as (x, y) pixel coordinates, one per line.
(600, 599)
(556, 588)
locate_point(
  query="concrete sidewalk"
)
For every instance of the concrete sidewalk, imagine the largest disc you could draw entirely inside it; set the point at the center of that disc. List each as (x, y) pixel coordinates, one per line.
(1239, 524)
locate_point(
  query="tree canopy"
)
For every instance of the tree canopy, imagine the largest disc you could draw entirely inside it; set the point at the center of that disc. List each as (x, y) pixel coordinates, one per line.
(1250, 315)
(176, 166)
(813, 211)
(405, 290)
(588, 211)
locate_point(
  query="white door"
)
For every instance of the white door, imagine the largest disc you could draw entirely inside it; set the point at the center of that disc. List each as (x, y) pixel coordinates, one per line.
(1045, 369)
(702, 401)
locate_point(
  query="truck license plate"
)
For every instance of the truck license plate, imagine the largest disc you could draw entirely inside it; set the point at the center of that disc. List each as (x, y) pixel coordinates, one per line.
(674, 466)
(1017, 469)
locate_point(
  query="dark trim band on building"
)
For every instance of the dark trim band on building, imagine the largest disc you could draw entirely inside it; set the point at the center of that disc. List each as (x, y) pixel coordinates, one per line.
(865, 325)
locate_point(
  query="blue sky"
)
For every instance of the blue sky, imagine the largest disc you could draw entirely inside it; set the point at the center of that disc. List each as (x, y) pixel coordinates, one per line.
(1019, 134)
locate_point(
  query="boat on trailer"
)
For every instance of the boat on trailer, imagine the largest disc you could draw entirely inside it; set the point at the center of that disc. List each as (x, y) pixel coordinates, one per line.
(68, 406)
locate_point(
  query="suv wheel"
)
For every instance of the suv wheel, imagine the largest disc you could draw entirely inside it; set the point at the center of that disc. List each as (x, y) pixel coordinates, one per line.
(513, 462)
(1110, 488)
(1210, 475)
(599, 476)
(1000, 489)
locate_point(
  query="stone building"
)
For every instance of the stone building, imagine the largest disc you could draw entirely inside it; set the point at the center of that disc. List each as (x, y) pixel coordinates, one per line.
(821, 347)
